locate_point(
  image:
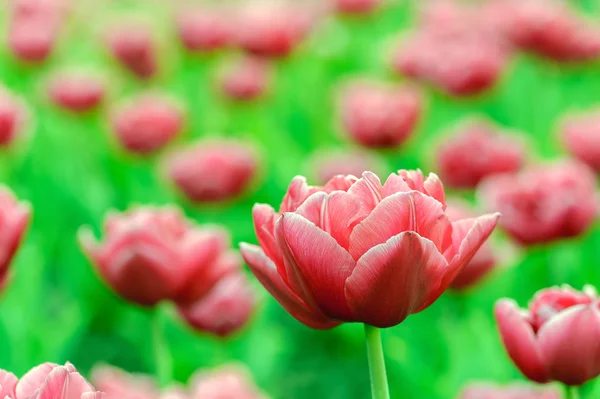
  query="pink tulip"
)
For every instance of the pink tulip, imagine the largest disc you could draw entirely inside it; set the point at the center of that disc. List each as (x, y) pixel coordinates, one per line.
(477, 151)
(513, 391)
(581, 134)
(225, 309)
(147, 123)
(134, 46)
(205, 29)
(484, 260)
(327, 164)
(379, 116)
(557, 338)
(8, 384)
(356, 6)
(247, 79)
(76, 90)
(211, 171)
(154, 254)
(175, 393)
(543, 204)
(119, 384)
(338, 253)
(14, 217)
(13, 115)
(223, 383)
(32, 39)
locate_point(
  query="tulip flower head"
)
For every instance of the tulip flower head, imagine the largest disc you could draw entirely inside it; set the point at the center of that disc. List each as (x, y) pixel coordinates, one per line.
(556, 339)
(153, 254)
(134, 46)
(13, 116)
(581, 135)
(230, 381)
(14, 217)
(543, 204)
(205, 29)
(513, 391)
(376, 115)
(76, 90)
(246, 79)
(338, 253)
(119, 384)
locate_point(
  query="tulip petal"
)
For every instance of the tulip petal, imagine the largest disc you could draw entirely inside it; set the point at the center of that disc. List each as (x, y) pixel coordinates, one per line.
(317, 265)
(34, 379)
(392, 279)
(297, 192)
(434, 188)
(570, 344)
(520, 340)
(266, 272)
(264, 218)
(93, 395)
(339, 183)
(62, 384)
(394, 184)
(368, 190)
(8, 383)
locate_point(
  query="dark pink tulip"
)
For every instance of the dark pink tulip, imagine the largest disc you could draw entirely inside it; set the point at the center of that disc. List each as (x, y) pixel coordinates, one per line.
(134, 46)
(76, 90)
(226, 382)
(205, 29)
(213, 170)
(513, 391)
(356, 6)
(581, 135)
(119, 384)
(147, 123)
(557, 338)
(154, 254)
(329, 163)
(338, 253)
(13, 115)
(14, 217)
(377, 115)
(544, 203)
(247, 79)
(484, 260)
(478, 150)
(225, 309)
(32, 38)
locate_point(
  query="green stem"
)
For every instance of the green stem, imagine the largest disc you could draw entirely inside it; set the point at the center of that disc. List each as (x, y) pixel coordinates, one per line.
(163, 361)
(572, 392)
(379, 384)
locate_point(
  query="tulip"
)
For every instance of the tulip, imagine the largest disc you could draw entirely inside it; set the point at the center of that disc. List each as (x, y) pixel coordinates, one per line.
(327, 164)
(379, 116)
(13, 115)
(581, 135)
(77, 91)
(478, 151)
(8, 383)
(205, 29)
(154, 254)
(225, 309)
(543, 204)
(147, 123)
(211, 171)
(14, 217)
(513, 391)
(556, 339)
(229, 381)
(245, 80)
(119, 384)
(356, 6)
(134, 46)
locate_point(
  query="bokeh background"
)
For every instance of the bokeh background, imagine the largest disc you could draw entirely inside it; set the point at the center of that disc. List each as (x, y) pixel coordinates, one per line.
(70, 168)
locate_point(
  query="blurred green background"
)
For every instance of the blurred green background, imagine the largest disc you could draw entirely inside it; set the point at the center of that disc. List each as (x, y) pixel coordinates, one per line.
(57, 309)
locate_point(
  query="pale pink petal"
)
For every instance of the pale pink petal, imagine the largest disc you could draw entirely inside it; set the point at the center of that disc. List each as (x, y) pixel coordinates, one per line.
(391, 280)
(8, 383)
(394, 184)
(368, 190)
(63, 384)
(33, 380)
(94, 395)
(434, 188)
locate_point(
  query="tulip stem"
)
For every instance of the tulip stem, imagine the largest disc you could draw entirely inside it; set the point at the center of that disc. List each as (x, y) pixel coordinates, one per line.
(162, 358)
(379, 384)
(573, 392)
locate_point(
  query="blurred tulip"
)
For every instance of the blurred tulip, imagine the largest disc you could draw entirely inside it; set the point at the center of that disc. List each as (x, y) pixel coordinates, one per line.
(205, 29)
(134, 46)
(13, 115)
(484, 260)
(119, 384)
(581, 134)
(513, 391)
(147, 123)
(175, 393)
(557, 338)
(543, 204)
(329, 163)
(32, 39)
(213, 170)
(14, 217)
(227, 382)
(377, 115)
(154, 254)
(356, 6)
(338, 253)
(76, 90)
(225, 309)
(478, 150)
(246, 80)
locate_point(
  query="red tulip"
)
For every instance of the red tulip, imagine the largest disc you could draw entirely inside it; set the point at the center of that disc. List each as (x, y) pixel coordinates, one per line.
(338, 253)
(134, 46)
(557, 338)
(14, 217)
(13, 115)
(379, 116)
(247, 79)
(327, 164)
(478, 151)
(213, 170)
(147, 123)
(581, 134)
(484, 260)
(544, 204)
(205, 29)
(119, 384)
(76, 90)
(226, 382)
(356, 6)
(225, 309)
(514, 391)
(154, 254)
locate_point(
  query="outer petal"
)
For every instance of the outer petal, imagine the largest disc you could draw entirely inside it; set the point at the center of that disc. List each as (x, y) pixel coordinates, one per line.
(391, 280)
(298, 191)
(8, 383)
(62, 384)
(264, 269)
(520, 341)
(434, 188)
(317, 265)
(33, 380)
(570, 344)
(264, 218)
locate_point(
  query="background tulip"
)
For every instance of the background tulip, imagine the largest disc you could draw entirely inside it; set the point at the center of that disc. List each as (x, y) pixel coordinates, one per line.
(119, 384)
(581, 135)
(134, 46)
(205, 28)
(14, 217)
(356, 6)
(76, 90)
(12, 117)
(514, 391)
(246, 79)
(229, 381)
